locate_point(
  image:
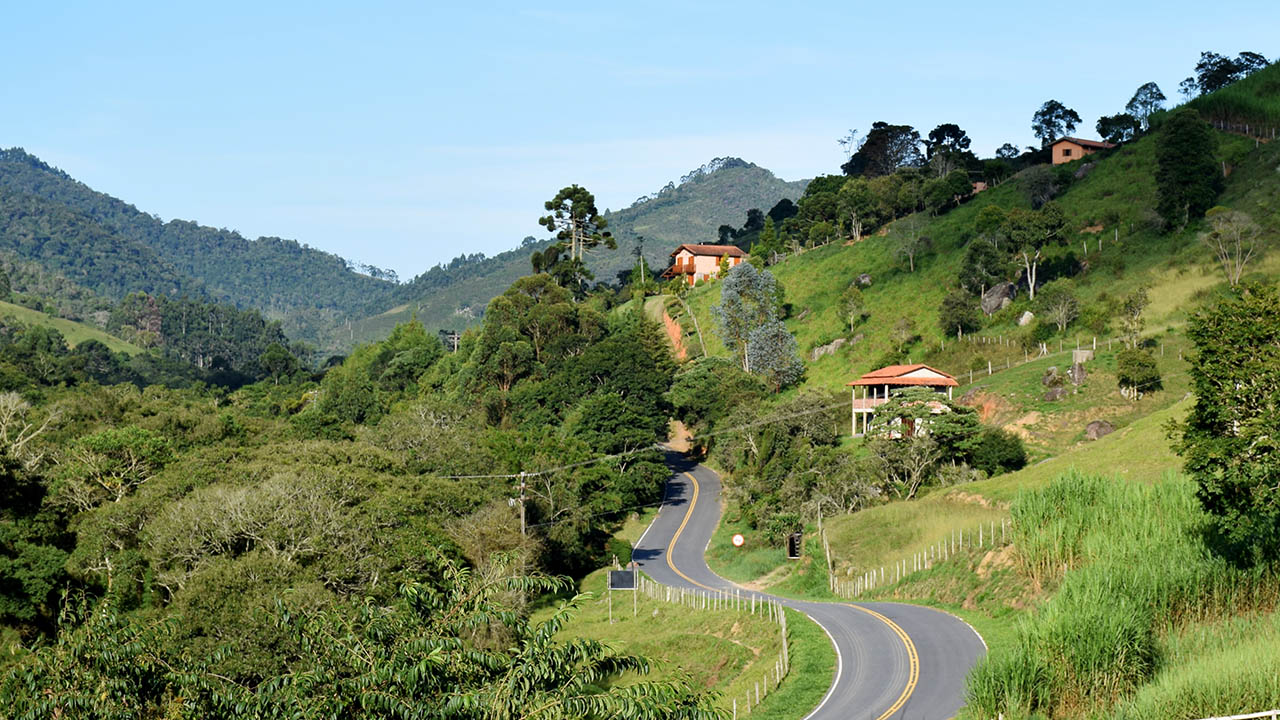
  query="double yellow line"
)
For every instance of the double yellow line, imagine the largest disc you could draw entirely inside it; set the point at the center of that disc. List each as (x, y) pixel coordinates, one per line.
(913, 658)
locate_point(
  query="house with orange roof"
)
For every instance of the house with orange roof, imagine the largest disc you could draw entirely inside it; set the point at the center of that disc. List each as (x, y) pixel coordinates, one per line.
(877, 385)
(701, 262)
(1064, 150)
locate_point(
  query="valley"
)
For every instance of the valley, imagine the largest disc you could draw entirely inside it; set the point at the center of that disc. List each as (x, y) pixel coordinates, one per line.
(932, 434)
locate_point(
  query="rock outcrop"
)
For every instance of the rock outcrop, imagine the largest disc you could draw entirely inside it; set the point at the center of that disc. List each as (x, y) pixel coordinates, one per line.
(998, 297)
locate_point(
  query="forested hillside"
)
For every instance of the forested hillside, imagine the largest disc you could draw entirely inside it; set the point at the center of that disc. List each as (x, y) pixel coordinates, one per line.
(231, 534)
(114, 248)
(719, 193)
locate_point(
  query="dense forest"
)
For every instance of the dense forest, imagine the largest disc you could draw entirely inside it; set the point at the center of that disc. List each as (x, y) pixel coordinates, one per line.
(114, 248)
(221, 529)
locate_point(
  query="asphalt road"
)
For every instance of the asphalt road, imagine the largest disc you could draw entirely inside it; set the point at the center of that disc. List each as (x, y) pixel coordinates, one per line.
(893, 661)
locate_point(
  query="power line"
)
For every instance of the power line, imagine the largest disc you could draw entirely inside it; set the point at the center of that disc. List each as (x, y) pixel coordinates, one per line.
(647, 448)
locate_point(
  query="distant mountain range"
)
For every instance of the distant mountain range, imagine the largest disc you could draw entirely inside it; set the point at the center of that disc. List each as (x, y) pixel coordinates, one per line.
(100, 245)
(690, 211)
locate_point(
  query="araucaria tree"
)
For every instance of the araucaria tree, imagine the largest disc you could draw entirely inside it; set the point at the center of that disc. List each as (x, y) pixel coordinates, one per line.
(1052, 121)
(748, 301)
(578, 226)
(1187, 180)
(1228, 442)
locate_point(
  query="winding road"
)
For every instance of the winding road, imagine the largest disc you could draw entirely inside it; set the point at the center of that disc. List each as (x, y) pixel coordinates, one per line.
(892, 660)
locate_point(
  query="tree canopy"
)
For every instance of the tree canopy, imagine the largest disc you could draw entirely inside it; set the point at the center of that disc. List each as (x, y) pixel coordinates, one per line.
(1052, 121)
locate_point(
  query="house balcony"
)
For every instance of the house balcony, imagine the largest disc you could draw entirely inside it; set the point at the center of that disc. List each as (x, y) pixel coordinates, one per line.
(868, 404)
(678, 269)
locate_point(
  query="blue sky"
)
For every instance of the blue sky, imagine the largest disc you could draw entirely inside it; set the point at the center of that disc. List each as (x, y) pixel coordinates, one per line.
(403, 134)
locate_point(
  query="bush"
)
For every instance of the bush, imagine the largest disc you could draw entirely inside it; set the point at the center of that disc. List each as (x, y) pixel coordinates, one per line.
(999, 451)
(1137, 372)
(959, 313)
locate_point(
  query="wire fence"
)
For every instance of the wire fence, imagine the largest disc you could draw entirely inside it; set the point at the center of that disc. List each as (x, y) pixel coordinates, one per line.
(1256, 131)
(985, 536)
(736, 601)
(1010, 348)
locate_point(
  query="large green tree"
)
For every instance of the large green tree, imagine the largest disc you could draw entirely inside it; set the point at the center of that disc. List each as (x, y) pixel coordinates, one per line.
(748, 300)
(1118, 128)
(1187, 178)
(1052, 121)
(1230, 441)
(1031, 233)
(1145, 101)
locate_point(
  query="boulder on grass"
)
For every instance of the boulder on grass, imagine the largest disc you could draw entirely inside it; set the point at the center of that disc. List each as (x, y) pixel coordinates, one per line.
(1055, 394)
(1025, 318)
(1097, 429)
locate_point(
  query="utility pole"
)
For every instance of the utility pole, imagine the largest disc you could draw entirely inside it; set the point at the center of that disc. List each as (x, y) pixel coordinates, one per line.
(522, 498)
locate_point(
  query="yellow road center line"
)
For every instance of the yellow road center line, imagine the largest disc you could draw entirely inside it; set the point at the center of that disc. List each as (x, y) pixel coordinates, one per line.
(913, 657)
(688, 514)
(913, 660)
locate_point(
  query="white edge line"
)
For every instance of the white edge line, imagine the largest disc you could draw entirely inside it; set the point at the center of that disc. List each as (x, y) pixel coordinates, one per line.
(666, 487)
(839, 666)
(835, 683)
(957, 617)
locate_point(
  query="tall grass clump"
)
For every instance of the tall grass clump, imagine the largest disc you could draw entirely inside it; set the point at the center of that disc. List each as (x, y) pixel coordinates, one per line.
(1128, 562)
(1220, 669)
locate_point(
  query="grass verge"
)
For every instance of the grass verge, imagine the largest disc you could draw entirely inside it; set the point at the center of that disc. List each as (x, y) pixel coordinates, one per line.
(725, 651)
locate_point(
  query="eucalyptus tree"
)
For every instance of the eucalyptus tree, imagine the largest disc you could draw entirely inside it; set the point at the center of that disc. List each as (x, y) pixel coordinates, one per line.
(748, 300)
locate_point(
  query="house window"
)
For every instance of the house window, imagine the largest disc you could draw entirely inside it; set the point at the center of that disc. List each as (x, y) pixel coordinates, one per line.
(1066, 152)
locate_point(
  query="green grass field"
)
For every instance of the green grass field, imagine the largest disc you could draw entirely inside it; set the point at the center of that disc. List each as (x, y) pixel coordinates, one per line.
(1128, 252)
(74, 332)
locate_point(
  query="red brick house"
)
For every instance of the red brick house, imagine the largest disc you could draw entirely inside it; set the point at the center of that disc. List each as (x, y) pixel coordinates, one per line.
(701, 262)
(878, 384)
(1066, 149)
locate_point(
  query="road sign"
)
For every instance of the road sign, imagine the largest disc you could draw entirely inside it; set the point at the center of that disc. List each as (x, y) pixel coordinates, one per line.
(622, 579)
(795, 542)
(738, 540)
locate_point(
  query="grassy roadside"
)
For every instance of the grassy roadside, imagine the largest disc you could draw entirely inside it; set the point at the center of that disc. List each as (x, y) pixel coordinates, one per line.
(724, 651)
(813, 668)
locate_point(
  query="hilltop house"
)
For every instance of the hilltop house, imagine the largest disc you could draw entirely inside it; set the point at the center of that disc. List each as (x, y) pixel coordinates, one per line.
(1066, 149)
(877, 384)
(701, 262)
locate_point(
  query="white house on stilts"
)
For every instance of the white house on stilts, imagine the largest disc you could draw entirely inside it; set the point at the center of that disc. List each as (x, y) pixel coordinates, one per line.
(878, 384)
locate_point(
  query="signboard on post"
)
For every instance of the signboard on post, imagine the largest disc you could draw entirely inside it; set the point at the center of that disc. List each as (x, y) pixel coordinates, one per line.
(622, 579)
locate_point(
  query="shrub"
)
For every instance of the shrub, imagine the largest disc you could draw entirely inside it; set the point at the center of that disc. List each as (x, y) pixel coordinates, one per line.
(959, 313)
(1137, 372)
(999, 451)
